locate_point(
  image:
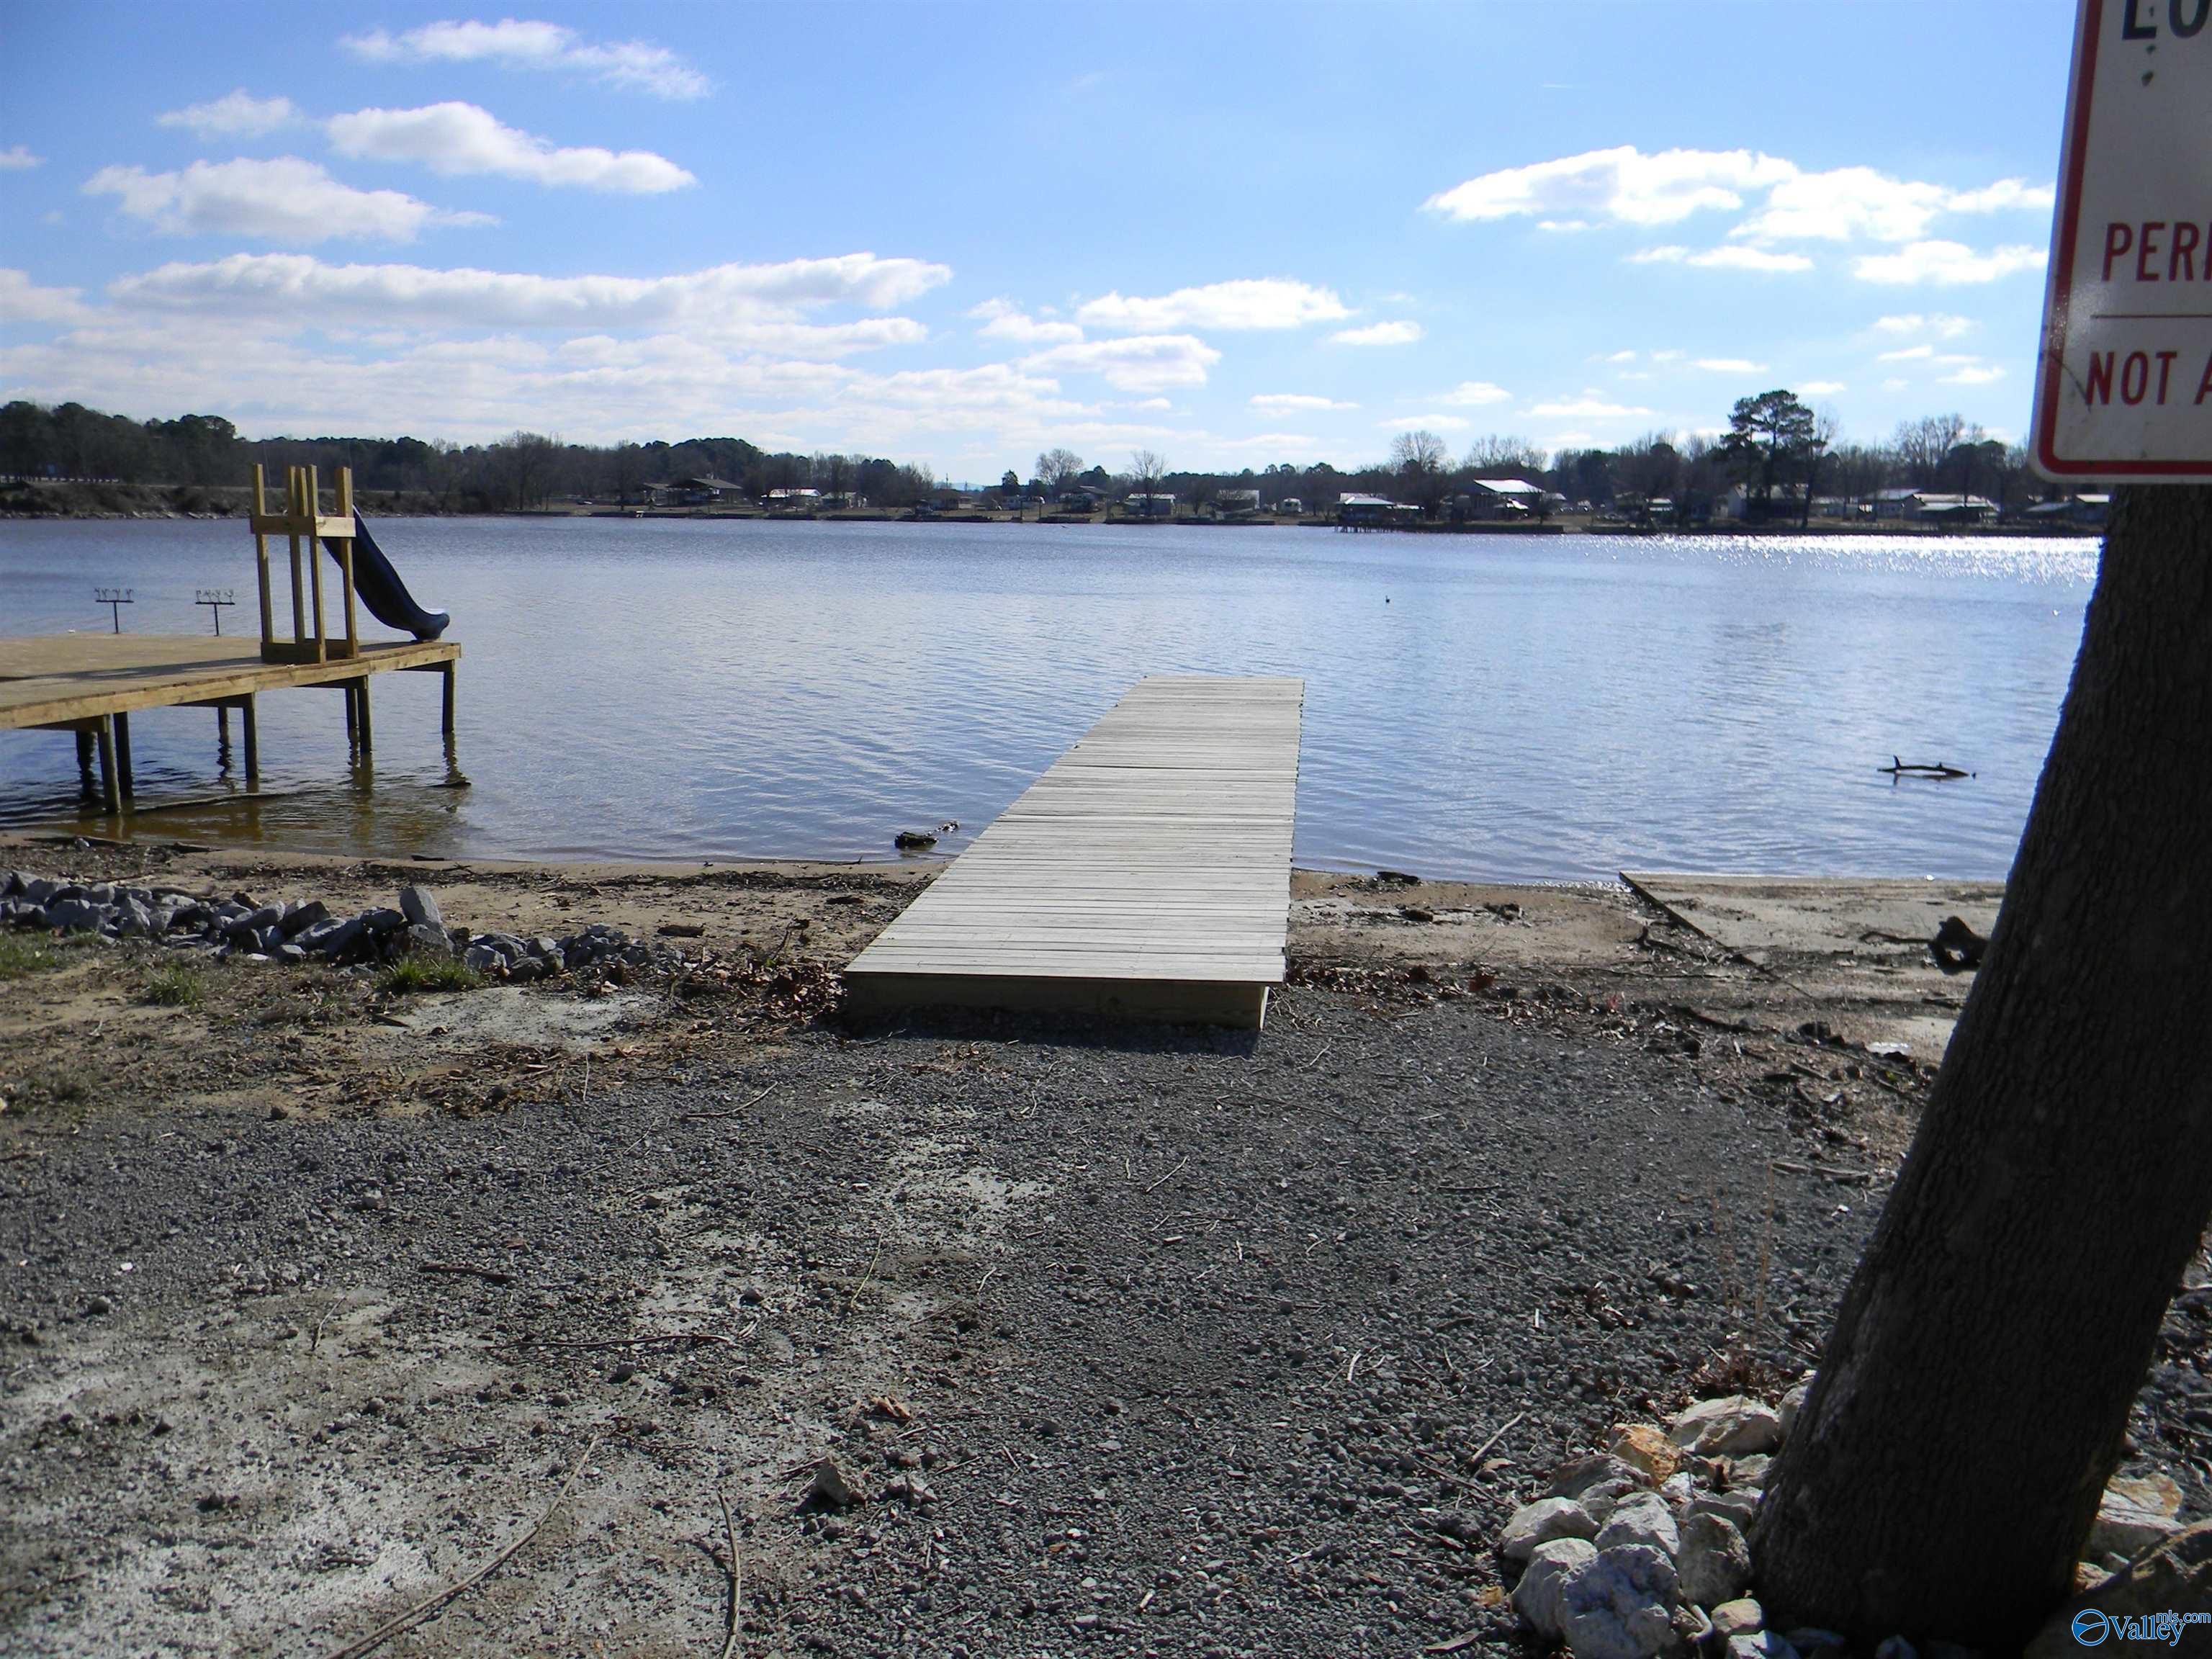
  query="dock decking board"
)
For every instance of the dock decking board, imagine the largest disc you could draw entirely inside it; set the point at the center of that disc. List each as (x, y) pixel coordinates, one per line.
(1146, 874)
(56, 679)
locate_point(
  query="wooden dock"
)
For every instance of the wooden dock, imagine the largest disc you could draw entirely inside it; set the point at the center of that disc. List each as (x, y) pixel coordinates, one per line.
(91, 684)
(1146, 874)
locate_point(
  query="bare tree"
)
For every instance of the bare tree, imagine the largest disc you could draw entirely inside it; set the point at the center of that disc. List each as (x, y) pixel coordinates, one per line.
(1146, 469)
(1422, 461)
(1496, 456)
(1055, 467)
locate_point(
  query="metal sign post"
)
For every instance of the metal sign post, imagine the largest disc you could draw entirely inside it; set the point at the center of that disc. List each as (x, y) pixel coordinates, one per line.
(2124, 384)
(214, 598)
(114, 598)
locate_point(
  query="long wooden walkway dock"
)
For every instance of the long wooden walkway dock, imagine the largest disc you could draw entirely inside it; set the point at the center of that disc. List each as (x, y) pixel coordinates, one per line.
(91, 684)
(1146, 874)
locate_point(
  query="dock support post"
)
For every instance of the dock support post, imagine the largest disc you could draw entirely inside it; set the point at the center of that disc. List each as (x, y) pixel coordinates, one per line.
(85, 780)
(446, 713)
(360, 714)
(222, 736)
(315, 563)
(123, 775)
(111, 792)
(353, 720)
(252, 735)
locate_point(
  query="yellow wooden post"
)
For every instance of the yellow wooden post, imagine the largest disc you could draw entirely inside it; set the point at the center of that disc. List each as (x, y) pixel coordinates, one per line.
(295, 480)
(315, 560)
(261, 553)
(345, 560)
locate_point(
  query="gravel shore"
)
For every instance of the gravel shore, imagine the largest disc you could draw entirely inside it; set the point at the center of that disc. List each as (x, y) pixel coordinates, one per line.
(1136, 1341)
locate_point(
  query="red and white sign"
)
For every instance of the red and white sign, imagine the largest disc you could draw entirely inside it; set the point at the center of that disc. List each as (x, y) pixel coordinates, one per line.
(2124, 385)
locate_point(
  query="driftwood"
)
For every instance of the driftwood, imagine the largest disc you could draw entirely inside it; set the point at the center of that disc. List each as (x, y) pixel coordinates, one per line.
(1898, 767)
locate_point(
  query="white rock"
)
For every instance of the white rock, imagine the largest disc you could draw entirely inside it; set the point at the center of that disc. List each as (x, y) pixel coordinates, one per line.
(1749, 1471)
(1621, 1605)
(2127, 1528)
(1601, 1499)
(1761, 1644)
(1642, 1519)
(1587, 1474)
(1738, 1506)
(1536, 1598)
(1714, 1562)
(1741, 1616)
(1541, 1522)
(1735, 1426)
(1679, 1489)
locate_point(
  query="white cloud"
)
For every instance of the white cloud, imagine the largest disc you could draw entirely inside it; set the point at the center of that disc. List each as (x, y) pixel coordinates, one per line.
(236, 114)
(1729, 365)
(456, 138)
(1621, 358)
(758, 305)
(2004, 196)
(1947, 265)
(1265, 302)
(283, 200)
(1140, 362)
(636, 65)
(23, 302)
(1475, 394)
(1941, 325)
(1585, 409)
(1003, 319)
(1292, 403)
(1379, 334)
(1425, 423)
(1846, 203)
(1974, 372)
(1728, 257)
(1821, 388)
(1905, 354)
(17, 158)
(1623, 184)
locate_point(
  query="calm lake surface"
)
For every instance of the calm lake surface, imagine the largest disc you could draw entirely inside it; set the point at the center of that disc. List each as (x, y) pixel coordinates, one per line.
(1520, 708)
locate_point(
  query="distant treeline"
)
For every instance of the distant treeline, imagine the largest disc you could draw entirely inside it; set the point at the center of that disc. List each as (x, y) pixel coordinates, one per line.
(1775, 448)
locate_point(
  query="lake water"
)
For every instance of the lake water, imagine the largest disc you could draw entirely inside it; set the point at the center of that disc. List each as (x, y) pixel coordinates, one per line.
(1512, 707)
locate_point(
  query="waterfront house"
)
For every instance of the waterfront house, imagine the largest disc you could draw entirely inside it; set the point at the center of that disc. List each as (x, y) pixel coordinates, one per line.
(1365, 510)
(792, 501)
(1237, 503)
(1292, 506)
(2076, 512)
(1149, 507)
(704, 491)
(1082, 498)
(1498, 498)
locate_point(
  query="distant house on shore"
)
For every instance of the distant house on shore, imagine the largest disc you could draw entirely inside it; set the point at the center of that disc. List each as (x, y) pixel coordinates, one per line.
(1141, 506)
(1498, 498)
(1788, 501)
(1082, 498)
(705, 491)
(2082, 512)
(1235, 503)
(1376, 510)
(1933, 506)
(1292, 506)
(789, 500)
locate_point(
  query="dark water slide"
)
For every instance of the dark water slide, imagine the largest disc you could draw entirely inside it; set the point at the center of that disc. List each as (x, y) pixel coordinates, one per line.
(384, 593)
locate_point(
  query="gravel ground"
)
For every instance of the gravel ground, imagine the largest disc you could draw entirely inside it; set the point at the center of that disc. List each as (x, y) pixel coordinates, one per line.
(1137, 1340)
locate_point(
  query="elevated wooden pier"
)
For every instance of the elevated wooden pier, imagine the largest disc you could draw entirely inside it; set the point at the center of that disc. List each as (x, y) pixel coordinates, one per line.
(91, 684)
(1146, 874)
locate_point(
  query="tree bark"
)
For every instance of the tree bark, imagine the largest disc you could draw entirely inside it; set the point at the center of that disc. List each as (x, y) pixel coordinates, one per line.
(1973, 1398)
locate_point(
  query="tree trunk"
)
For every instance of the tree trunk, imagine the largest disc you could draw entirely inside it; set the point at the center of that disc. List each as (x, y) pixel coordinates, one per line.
(1974, 1395)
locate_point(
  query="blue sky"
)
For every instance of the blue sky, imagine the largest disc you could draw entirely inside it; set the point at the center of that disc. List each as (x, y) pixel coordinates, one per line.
(958, 235)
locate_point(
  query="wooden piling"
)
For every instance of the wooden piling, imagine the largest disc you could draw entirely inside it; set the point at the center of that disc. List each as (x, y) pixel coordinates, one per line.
(247, 713)
(360, 714)
(446, 712)
(110, 790)
(124, 778)
(315, 564)
(345, 561)
(295, 483)
(261, 555)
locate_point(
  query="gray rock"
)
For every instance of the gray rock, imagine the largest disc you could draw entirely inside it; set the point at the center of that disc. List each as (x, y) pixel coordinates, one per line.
(1810, 1639)
(15, 883)
(2176, 1575)
(420, 909)
(301, 917)
(27, 914)
(1584, 1473)
(1761, 1644)
(1735, 1426)
(1642, 1519)
(481, 958)
(425, 941)
(1622, 1606)
(1749, 1471)
(133, 920)
(339, 939)
(100, 893)
(2126, 1527)
(1714, 1562)
(1785, 1414)
(382, 921)
(1736, 1506)
(289, 951)
(40, 890)
(266, 940)
(543, 948)
(1538, 1597)
(1541, 1522)
(525, 969)
(1743, 1617)
(74, 913)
